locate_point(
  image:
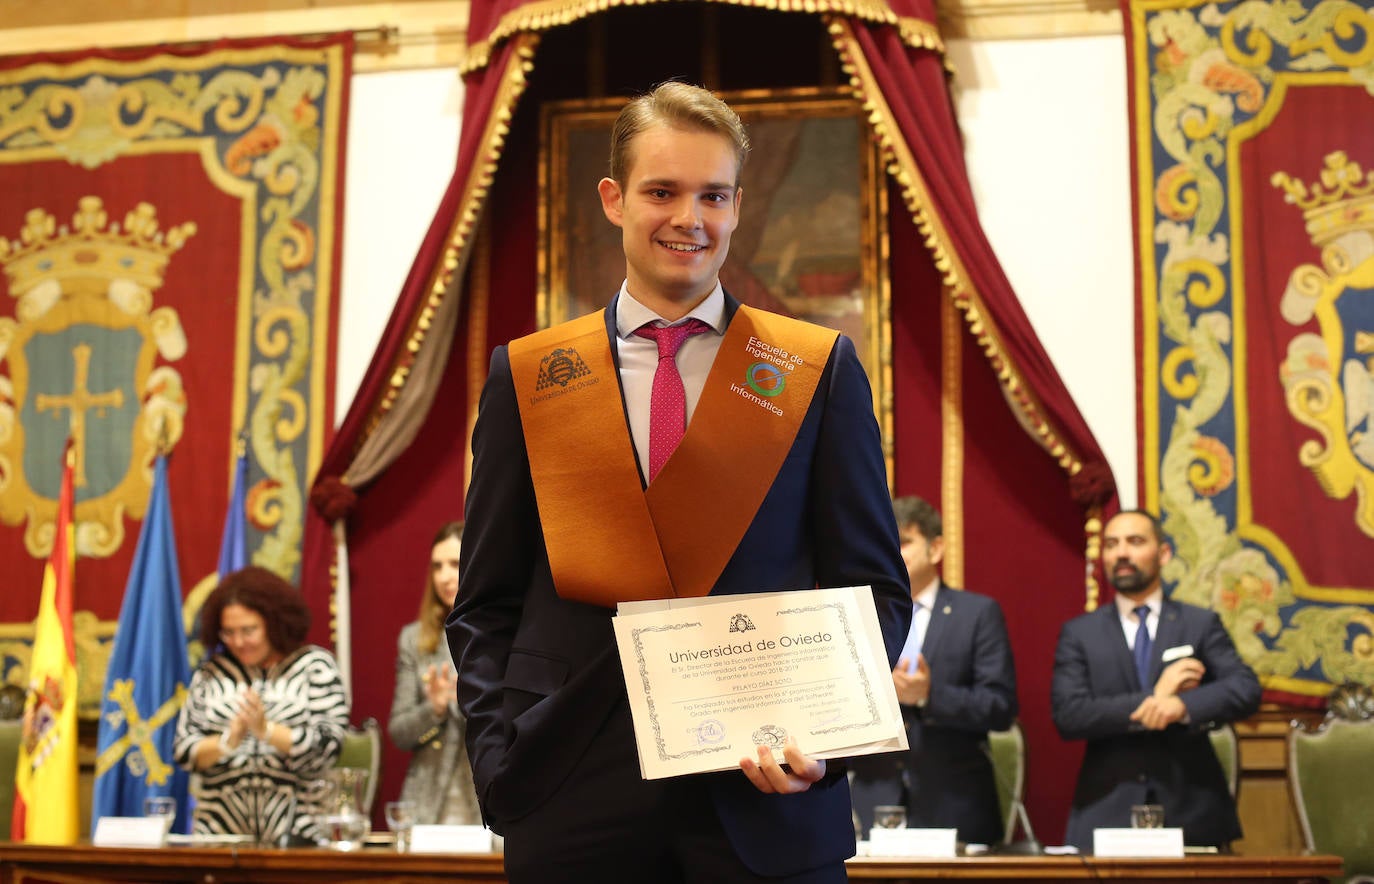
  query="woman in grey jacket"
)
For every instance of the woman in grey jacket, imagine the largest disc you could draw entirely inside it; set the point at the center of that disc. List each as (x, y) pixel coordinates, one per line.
(425, 720)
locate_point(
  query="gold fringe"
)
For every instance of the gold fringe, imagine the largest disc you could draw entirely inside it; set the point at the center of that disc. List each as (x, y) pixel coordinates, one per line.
(1092, 531)
(545, 14)
(440, 283)
(902, 167)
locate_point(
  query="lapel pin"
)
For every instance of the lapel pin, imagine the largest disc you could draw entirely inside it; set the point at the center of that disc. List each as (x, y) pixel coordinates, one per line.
(946, 609)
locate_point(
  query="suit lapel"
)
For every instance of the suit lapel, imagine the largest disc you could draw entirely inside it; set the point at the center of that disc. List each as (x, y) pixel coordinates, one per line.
(939, 616)
(1169, 634)
(1116, 640)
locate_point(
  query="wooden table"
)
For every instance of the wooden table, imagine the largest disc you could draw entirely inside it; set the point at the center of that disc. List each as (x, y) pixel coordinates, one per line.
(32, 864)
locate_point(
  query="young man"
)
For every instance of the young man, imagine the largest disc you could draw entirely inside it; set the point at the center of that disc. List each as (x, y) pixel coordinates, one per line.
(579, 500)
(955, 682)
(1143, 680)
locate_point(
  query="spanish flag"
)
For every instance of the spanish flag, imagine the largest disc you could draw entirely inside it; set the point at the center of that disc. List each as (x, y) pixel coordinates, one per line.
(45, 797)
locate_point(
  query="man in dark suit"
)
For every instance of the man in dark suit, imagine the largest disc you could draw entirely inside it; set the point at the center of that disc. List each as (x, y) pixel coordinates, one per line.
(1143, 680)
(955, 682)
(574, 506)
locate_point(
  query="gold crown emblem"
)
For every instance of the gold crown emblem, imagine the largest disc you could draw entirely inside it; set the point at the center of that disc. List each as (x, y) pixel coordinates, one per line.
(1342, 202)
(84, 258)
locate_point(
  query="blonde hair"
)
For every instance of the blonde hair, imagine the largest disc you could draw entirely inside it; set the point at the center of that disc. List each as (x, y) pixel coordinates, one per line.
(679, 106)
(433, 611)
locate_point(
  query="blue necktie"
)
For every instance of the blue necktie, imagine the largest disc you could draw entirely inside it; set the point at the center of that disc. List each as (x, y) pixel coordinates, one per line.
(1142, 647)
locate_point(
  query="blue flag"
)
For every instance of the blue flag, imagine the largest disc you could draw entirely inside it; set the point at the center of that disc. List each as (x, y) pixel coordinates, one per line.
(147, 677)
(232, 555)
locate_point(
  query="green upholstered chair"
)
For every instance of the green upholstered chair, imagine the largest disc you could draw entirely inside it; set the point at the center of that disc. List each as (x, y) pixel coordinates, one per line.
(1227, 747)
(1332, 781)
(1008, 750)
(362, 748)
(10, 733)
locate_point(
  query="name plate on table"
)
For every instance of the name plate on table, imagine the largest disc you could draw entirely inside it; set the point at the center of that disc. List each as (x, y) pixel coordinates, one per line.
(1160, 843)
(450, 839)
(130, 831)
(711, 678)
(938, 843)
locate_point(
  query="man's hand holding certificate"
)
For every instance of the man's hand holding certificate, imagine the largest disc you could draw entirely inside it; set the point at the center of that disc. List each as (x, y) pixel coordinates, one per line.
(710, 679)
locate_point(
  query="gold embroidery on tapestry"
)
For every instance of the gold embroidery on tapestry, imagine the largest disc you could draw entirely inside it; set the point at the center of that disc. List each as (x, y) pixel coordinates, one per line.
(80, 355)
(1328, 378)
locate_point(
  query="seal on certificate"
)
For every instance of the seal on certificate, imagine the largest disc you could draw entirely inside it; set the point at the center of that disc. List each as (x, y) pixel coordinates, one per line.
(708, 732)
(741, 623)
(770, 735)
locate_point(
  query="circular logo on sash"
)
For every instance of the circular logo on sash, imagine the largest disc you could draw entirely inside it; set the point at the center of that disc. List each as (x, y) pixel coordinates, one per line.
(765, 378)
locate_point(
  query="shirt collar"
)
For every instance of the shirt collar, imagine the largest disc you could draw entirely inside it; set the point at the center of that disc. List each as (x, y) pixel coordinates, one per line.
(926, 597)
(631, 315)
(1126, 608)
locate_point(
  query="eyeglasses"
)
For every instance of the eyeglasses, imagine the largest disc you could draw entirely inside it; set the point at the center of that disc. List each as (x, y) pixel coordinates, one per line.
(243, 632)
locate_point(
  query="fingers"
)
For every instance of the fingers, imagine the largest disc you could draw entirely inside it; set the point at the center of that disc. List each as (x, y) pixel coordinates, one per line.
(771, 778)
(922, 666)
(902, 666)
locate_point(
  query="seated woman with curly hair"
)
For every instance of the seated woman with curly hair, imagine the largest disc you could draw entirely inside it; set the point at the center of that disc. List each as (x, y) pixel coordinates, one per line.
(265, 714)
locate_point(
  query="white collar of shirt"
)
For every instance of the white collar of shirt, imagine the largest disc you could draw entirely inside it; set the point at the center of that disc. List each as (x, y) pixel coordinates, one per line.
(631, 315)
(926, 597)
(639, 360)
(1125, 608)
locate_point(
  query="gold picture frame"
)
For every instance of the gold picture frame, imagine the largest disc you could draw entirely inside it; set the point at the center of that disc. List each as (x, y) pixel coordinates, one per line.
(812, 240)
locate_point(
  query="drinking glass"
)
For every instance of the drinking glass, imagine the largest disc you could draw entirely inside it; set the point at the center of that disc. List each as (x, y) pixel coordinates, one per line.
(889, 816)
(400, 818)
(346, 831)
(163, 807)
(1147, 816)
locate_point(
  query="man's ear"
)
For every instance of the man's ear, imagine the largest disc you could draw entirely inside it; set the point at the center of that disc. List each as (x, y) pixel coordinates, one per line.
(937, 550)
(612, 201)
(1166, 552)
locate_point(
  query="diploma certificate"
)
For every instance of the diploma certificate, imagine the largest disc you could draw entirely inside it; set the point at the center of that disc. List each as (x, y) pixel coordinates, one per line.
(709, 679)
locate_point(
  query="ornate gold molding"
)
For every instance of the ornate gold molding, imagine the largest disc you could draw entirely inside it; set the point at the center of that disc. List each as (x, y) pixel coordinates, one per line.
(433, 33)
(429, 33)
(1026, 19)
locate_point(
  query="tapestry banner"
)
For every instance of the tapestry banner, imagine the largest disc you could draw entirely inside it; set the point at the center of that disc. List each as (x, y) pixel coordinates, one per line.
(169, 243)
(1254, 193)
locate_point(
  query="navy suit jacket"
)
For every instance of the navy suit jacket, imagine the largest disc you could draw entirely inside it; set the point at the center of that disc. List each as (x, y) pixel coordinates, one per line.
(539, 675)
(948, 767)
(1094, 692)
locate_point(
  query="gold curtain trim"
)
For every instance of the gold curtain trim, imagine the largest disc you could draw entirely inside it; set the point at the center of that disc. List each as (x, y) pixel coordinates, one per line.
(479, 315)
(901, 165)
(952, 443)
(545, 14)
(513, 83)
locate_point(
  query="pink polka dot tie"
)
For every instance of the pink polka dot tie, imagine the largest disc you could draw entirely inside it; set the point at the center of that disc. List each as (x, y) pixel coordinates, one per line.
(668, 402)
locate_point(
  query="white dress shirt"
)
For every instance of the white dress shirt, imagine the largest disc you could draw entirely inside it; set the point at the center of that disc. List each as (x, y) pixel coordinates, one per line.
(1129, 624)
(639, 360)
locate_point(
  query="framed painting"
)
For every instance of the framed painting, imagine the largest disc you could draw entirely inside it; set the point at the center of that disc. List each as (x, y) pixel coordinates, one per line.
(812, 239)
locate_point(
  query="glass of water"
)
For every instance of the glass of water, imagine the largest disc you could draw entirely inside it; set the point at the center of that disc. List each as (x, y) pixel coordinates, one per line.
(346, 831)
(400, 818)
(164, 807)
(889, 816)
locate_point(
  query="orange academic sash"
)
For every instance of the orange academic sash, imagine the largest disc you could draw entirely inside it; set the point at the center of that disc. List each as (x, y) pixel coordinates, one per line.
(608, 539)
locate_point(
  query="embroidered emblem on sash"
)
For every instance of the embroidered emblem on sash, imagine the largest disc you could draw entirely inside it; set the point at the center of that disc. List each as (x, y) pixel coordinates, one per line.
(561, 367)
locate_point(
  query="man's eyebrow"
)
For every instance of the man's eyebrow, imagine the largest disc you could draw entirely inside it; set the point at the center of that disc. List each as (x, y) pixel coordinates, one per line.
(673, 183)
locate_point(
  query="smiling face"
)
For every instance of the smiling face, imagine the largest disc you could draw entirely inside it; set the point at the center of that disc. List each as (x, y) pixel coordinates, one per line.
(676, 210)
(443, 569)
(244, 634)
(1132, 554)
